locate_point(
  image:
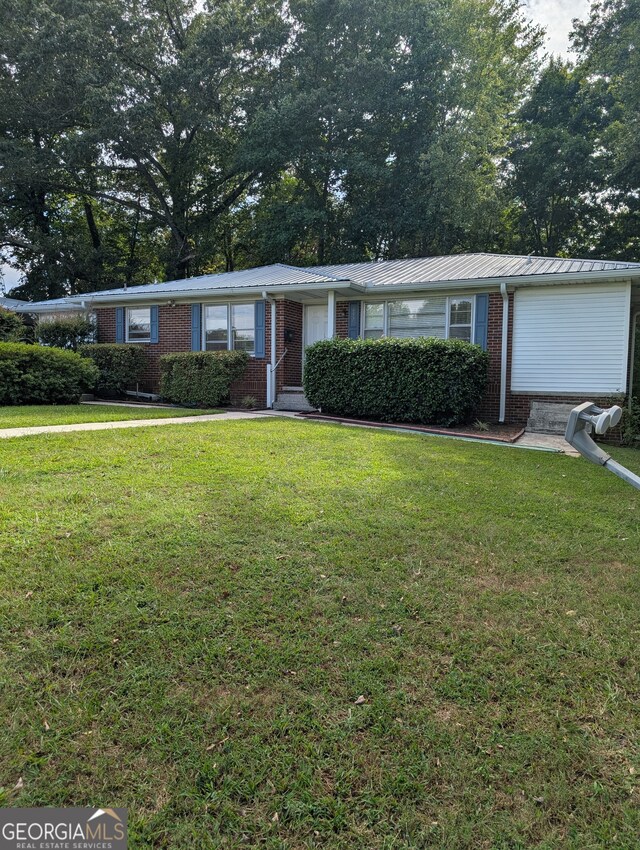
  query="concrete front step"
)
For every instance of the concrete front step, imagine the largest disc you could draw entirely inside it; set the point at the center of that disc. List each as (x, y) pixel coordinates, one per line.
(547, 417)
(293, 401)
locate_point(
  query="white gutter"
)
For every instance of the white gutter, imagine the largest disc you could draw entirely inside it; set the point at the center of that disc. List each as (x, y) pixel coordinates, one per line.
(271, 374)
(503, 354)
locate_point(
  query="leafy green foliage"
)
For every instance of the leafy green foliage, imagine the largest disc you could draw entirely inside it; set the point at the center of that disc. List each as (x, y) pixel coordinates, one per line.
(34, 374)
(12, 328)
(120, 367)
(429, 381)
(201, 377)
(556, 165)
(69, 332)
(630, 425)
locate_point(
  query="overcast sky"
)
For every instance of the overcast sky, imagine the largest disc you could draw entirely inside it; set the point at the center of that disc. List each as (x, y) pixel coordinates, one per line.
(555, 16)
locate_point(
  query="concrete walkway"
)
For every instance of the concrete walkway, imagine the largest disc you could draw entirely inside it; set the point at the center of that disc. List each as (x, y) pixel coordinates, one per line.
(552, 442)
(546, 442)
(127, 423)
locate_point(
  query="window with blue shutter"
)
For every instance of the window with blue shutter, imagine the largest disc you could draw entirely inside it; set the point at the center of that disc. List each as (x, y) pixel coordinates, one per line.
(196, 327)
(119, 324)
(260, 329)
(354, 320)
(481, 330)
(153, 336)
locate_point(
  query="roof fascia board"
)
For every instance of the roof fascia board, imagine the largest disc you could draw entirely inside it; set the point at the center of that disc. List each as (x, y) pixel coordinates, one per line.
(512, 282)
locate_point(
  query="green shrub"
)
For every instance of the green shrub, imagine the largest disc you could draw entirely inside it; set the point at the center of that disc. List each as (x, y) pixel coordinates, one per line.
(69, 332)
(428, 381)
(34, 374)
(12, 328)
(120, 367)
(203, 378)
(630, 425)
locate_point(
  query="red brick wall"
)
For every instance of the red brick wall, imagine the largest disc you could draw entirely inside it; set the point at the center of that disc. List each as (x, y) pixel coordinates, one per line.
(342, 319)
(290, 318)
(174, 335)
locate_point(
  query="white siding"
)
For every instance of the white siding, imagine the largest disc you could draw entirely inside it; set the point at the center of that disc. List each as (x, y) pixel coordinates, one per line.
(571, 339)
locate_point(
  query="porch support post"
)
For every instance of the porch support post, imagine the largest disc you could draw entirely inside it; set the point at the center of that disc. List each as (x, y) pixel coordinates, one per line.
(331, 314)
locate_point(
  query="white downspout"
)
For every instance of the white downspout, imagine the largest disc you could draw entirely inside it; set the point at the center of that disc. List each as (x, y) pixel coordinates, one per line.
(271, 376)
(634, 320)
(331, 314)
(503, 355)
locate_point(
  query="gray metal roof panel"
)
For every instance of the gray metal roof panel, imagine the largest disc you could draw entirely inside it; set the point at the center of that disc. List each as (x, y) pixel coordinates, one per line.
(465, 267)
(10, 303)
(275, 275)
(419, 271)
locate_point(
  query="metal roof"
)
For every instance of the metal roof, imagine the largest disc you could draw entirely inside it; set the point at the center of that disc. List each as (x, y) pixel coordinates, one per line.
(10, 303)
(465, 267)
(461, 270)
(263, 276)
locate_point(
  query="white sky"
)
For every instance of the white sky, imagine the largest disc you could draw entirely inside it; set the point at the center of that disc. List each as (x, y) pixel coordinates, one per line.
(555, 16)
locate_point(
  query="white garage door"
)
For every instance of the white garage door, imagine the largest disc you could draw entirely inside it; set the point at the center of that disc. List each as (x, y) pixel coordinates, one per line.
(571, 339)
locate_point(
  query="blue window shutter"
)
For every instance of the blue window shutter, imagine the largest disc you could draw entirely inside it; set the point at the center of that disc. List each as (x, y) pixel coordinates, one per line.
(482, 321)
(153, 337)
(354, 319)
(260, 328)
(196, 327)
(119, 324)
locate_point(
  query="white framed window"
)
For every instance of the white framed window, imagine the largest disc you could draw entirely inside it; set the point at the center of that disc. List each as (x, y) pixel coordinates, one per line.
(461, 319)
(416, 317)
(138, 324)
(434, 316)
(373, 322)
(229, 327)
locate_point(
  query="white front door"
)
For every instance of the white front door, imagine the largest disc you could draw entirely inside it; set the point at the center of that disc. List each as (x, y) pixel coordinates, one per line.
(315, 323)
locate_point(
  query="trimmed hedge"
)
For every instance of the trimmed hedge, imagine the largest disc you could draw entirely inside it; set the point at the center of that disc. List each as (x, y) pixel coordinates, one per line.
(12, 328)
(70, 332)
(35, 374)
(120, 367)
(428, 381)
(201, 378)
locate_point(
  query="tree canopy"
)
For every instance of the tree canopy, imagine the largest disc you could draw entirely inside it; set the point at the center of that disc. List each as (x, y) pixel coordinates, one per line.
(165, 138)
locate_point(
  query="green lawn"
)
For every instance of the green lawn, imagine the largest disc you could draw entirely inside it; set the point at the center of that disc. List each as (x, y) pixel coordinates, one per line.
(67, 414)
(284, 634)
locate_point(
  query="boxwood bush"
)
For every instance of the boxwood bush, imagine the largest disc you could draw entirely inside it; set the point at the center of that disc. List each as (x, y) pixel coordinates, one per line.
(202, 378)
(34, 374)
(427, 381)
(120, 367)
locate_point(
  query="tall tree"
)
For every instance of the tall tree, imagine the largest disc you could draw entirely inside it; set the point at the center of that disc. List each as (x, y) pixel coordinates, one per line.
(397, 117)
(557, 165)
(609, 50)
(142, 108)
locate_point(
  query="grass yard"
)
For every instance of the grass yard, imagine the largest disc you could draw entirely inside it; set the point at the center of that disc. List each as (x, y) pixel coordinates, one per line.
(283, 634)
(67, 414)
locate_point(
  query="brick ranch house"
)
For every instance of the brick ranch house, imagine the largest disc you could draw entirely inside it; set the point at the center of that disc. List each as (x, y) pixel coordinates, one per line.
(556, 329)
